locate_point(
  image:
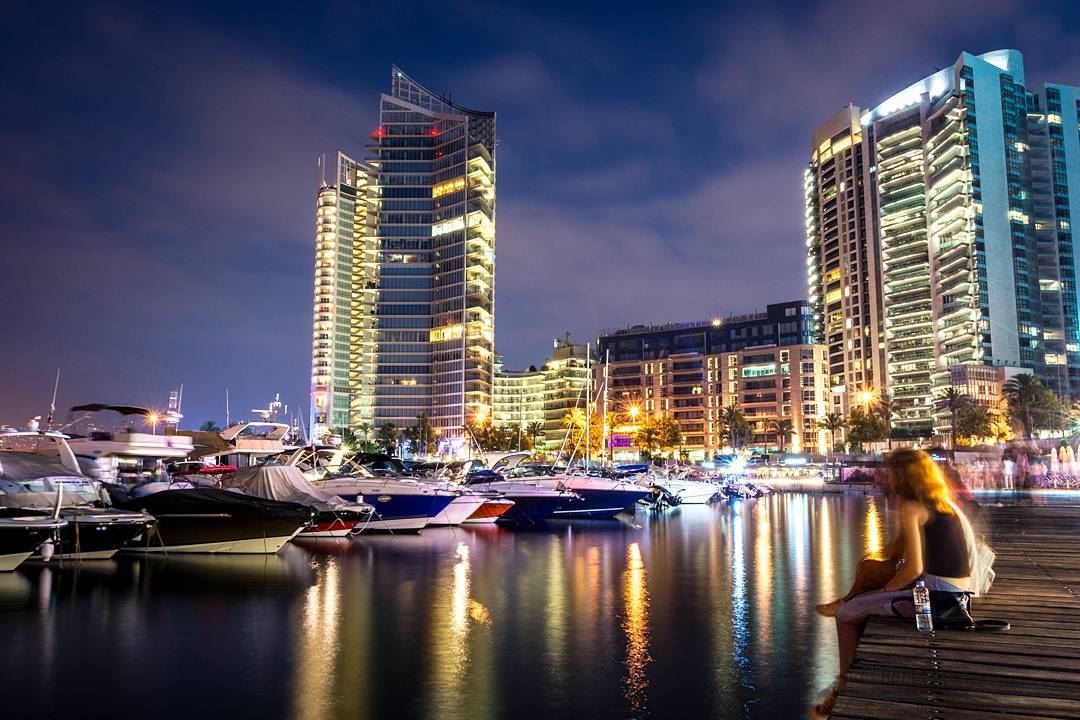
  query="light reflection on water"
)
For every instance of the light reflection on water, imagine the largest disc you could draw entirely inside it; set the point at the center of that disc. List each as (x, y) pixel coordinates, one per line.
(636, 627)
(699, 612)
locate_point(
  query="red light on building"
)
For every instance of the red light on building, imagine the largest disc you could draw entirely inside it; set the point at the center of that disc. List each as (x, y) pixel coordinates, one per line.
(379, 132)
(434, 132)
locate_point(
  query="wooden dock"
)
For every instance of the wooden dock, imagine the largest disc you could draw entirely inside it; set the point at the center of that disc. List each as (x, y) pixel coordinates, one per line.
(1031, 672)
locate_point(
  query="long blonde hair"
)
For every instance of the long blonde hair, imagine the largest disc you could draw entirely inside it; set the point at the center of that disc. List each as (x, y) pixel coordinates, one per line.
(915, 476)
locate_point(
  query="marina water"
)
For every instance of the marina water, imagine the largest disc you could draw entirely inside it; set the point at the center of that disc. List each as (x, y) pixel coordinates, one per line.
(703, 611)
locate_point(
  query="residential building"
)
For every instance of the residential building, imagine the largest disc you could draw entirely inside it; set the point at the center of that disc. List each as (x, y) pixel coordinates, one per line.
(518, 397)
(411, 278)
(545, 395)
(766, 364)
(967, 178)
(343, 322)
(844, 259)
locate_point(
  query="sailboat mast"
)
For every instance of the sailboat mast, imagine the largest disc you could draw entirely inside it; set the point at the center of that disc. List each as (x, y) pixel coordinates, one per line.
(588, 402)
(604, 450)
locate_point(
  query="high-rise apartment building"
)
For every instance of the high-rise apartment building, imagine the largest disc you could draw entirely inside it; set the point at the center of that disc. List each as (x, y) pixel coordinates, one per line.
(343, 321)
(411, 327)
(844, 259)
(963, 174)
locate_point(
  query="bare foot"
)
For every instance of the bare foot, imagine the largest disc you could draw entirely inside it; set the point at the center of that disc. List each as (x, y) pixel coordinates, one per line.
(829, 609)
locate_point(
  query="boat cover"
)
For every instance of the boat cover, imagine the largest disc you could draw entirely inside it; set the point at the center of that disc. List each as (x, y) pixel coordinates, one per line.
(212, 500)
(281, 482)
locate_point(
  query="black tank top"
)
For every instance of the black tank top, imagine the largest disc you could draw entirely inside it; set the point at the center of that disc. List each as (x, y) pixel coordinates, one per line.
(945, 551)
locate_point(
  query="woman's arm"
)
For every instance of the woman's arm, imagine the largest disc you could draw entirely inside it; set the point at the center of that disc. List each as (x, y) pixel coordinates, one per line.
(912, 517)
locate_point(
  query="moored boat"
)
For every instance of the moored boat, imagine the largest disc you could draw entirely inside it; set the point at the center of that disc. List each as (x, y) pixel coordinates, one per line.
(208, 520)
(333, 516)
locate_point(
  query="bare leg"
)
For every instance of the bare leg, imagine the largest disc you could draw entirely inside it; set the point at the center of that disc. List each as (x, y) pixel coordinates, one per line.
(870, 574)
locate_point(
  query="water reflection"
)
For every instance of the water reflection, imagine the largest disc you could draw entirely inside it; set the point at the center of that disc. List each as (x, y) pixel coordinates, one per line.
(318, 646)
(697, 612)
(874, 533)
(636, 627)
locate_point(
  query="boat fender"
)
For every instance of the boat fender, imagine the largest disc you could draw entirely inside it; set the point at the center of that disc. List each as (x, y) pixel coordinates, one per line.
(48, 549)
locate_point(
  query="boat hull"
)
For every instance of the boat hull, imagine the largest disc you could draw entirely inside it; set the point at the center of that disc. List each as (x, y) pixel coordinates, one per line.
(399, 512)
(21, 537)
(10, 561)
(100, 538)
(459, 510)
(601, 503)
(217, 521)
(241, 546)
(532, 509)
(489, 512)
(336, 524)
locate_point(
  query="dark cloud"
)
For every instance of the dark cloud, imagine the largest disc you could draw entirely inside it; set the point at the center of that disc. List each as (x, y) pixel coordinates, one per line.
(159, 167)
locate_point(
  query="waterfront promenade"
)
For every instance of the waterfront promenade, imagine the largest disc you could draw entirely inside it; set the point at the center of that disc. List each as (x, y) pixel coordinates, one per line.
(1032, 671)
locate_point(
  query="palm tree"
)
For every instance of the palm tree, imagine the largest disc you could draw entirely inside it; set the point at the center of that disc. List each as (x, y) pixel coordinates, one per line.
(783, 429)
(1022, 392)
(954, 401)
(733, 421)
(831, 423)
(534, 430)
(209, 426)
(886, 408)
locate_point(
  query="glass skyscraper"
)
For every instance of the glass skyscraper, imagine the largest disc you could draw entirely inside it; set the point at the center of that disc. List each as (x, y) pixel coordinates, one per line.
(968, 180)
(421, 272)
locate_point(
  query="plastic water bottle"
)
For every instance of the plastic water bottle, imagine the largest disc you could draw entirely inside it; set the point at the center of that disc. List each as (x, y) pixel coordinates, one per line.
(924, 621)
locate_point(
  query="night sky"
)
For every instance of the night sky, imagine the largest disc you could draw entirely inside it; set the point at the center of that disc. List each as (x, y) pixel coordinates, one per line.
(159, 177)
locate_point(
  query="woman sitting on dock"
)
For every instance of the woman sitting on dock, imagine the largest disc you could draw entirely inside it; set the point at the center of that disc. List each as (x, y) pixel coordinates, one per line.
(933, 547)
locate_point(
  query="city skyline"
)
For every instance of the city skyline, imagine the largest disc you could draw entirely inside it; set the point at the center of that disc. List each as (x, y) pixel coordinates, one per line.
(195, 203)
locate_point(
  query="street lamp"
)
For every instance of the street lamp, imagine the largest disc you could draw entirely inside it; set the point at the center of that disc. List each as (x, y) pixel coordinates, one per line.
(865, 397)
(153, 418)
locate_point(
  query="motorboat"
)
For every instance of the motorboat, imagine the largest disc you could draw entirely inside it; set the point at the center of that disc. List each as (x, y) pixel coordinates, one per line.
(210, 520)
(39, 483)
(461, 508)
(534, 501)
(688, 490)
(334, 516)
(401, 504)
(597, 496)
(21, 535)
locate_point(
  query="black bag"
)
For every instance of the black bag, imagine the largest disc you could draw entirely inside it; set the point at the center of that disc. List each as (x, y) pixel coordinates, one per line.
(951, 611)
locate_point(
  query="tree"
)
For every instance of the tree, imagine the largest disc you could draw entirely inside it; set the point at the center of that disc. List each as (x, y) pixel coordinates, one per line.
(209, 426)
(668, 431)
(424, 433)
(866, 427)
(973, 421)
(1027, 399)
(348, 438)
(886, 407)
(647, 438)
(534, 430)
(832, 423)
(386, 437)
(783, 429)
(735, 425)
(575, 423)
(954, 401)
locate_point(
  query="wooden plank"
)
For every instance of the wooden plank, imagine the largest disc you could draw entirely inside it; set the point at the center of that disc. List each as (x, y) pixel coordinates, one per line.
(1030, 672)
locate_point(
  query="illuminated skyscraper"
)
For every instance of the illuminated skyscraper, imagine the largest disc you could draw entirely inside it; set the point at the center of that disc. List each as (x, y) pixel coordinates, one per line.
(968, 183)
(843, 260)
(419, 308)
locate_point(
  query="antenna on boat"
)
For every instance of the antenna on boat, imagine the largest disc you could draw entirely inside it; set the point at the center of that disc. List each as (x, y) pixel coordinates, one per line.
(52, 405)
(227, 423)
